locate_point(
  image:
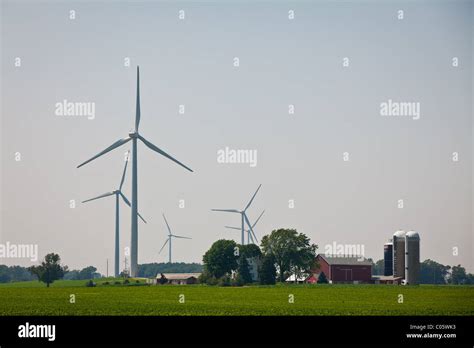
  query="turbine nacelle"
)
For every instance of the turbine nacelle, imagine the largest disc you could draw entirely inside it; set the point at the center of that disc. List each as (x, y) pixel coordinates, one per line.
(133, 135)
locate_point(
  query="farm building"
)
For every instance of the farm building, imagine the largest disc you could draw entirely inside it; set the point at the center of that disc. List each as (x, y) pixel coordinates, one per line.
(344, 269)
(175, 278)
(379, 279)
(298, 279)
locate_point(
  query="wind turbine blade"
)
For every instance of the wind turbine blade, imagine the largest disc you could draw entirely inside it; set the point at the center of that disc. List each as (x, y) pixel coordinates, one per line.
(101, 196)
(233, 228)
(137, 114)
(249, 225)
(254, 236)
(251, 200)
(167, 225)
(227, 210)
(124, 171)
(180, 237)
(161, 152)
(127, 202)
(250, 236)
(167, 240)
(258, 219)
(110, 148)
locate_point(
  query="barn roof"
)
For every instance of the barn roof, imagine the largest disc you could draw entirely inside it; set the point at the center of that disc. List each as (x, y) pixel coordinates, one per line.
(293, 277)
(178, 276)
(346, 260)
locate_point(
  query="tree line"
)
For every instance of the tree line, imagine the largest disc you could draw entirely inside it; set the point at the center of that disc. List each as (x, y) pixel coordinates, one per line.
(150, 270)
(283, 252)
(432, 272)
(51, 269)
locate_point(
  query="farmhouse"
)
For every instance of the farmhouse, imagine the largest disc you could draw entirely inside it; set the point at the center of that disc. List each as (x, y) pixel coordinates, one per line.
(175, 278)
(344, 269)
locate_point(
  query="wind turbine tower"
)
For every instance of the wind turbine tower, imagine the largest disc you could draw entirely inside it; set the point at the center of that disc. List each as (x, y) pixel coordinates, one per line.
(118, 194)
(169, 239)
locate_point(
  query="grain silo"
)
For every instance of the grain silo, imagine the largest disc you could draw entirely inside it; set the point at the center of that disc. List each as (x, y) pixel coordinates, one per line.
(399, 254)
(412, 257)
(388, 259)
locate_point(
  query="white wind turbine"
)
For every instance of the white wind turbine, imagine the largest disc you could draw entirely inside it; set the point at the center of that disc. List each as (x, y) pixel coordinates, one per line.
(244, 218)
(250, 232)
(118, 193)
(134, 136)
(169, 239)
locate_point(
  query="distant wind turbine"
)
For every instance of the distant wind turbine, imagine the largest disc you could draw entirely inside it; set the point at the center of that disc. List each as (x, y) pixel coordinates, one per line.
(134, 136)
(250, 232)
(169, 239)
(118, 193)
(245, 219)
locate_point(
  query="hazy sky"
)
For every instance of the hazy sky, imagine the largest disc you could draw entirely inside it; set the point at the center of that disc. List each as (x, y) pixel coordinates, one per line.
(300, 156)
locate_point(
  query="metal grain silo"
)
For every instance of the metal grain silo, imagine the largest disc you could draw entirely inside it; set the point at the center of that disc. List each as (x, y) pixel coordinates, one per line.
(388, 259)
(399, 254)
(412, 257)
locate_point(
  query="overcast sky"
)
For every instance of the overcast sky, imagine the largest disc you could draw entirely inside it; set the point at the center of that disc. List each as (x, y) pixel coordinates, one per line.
(299, 156)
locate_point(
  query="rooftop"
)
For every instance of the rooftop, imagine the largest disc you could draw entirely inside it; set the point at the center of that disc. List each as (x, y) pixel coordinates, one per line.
(178, 276)
(346, 260)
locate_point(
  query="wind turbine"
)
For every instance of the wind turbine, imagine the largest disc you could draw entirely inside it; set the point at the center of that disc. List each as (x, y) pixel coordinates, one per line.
(170, 237)
(118, 193)
(244, 217)
(250, 233)
(134, 136)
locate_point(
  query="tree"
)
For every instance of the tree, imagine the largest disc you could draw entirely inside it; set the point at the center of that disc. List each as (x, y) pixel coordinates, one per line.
(267, 270)
(249, 250)
(4, 274)
(432, 272)
(49, 270)
(378, 268)
(221, 258)
(292, 252)
(14, 274)
(150, 270)
(322, 278)
(458, 275)
(87, 272)
(71, 275)
(243, 271)
(470, 279)
(207, 278)
(163, 279)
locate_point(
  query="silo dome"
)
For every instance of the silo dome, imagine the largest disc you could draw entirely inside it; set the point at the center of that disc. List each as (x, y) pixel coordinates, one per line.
(400, 234)
(412, 235)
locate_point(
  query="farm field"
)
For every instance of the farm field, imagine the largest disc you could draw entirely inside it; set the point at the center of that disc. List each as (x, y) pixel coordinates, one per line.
(33, 298)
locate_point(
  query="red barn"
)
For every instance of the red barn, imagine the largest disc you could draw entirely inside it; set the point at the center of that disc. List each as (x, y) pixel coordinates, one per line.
(345, 269)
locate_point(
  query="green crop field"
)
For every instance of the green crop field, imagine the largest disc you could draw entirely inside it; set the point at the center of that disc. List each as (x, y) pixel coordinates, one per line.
(33, 298)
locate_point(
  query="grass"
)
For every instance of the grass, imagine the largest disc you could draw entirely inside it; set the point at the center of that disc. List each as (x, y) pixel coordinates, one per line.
(33, 298)
(69, 283)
